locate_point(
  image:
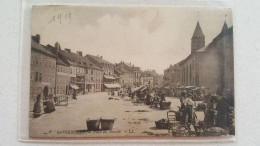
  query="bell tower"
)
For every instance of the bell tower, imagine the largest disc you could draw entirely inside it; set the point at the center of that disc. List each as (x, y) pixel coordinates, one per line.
(198, 39)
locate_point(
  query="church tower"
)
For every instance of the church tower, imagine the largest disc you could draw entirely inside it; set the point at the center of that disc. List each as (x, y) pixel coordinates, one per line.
(225, 27)
(198, 39)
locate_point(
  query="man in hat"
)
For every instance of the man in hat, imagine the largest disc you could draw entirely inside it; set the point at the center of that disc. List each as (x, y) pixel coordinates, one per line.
(188, 111)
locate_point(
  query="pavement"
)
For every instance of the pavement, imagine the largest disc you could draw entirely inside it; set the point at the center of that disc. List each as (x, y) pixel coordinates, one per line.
(130, 119)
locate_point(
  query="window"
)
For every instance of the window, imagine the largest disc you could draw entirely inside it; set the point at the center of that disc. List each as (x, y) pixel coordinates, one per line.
(58, 89)
(40, 77)
(36, 76)
(92, 72)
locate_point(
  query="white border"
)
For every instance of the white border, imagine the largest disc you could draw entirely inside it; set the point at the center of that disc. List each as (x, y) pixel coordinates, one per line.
(24, 81)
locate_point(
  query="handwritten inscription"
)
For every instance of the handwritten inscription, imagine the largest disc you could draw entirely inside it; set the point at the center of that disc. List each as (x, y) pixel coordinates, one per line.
(61, 18)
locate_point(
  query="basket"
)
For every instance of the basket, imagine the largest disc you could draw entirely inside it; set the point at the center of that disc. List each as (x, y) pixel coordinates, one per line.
(36, 115)
(161, 124)
(165, 105)
(93, 125)
(178, 132)
(107, 124)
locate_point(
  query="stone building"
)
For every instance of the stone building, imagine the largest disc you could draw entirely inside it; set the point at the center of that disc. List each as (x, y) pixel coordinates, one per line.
(150, 78)
(172, 75)
(211, 65)
(137, 76)
(62, 78)
(43, 70)
(126, 74)
(93, 77)
(88, 75)
(108, 79)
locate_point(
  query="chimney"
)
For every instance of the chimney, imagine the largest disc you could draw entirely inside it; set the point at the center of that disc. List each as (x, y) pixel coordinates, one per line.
(67, 50)
(36, 38)
(57, 47)
(101, 57)
(79, 53)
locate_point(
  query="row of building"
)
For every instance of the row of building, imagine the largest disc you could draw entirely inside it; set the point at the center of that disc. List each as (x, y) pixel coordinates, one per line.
(210, 66)
(58, 72)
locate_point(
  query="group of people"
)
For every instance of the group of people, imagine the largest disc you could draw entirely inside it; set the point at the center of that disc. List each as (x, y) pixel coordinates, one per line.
(217, 111)
(48, 105)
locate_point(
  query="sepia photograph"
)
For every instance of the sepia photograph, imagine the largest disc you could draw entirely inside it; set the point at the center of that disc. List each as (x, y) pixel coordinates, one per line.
(131, 71)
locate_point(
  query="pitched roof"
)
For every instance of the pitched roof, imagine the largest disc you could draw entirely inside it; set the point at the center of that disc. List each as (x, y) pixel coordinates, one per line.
(198, 32)
(117, 71)
(98, 61)
(41, 49)
(60, 62)
(225, 31)
(203, 49)
(74, 59)
(150, 73)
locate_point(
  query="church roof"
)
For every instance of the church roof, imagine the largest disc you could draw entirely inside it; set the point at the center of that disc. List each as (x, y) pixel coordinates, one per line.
(198, 32)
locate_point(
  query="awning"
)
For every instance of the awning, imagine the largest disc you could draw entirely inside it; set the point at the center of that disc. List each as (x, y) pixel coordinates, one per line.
(137, 89)
(109, 77)
(74, 86)
(143, 89)
(112, 85)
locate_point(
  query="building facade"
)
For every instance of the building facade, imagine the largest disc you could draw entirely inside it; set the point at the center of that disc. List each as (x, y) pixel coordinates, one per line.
(210, 66)
(108, 75)
(62, 78)
(43, 71)
(127, 76)
(137, 76)
(172, 75)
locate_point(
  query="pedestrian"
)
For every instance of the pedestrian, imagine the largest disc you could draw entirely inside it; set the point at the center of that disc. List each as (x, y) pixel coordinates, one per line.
(182, 97)
(210, 112)
(37, 105)
(74, 94)
(188, 111)
(49, 106)
(222, 113)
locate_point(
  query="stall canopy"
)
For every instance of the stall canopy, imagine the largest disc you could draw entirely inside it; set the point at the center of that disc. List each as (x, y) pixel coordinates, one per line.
(74, 86)
(138, 88)
(109, 77)
(144, 88)
(112, 85)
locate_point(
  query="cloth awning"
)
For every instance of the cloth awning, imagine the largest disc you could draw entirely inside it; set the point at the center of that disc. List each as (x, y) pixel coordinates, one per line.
(74, 86)
(109, 77)
(143, 89)
(137, 89)
(112, 85)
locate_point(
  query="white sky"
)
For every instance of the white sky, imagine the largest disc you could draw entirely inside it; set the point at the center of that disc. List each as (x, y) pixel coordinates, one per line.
(148, 37)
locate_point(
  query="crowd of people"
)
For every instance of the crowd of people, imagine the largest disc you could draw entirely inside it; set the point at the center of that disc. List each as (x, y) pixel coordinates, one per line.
(218, 109)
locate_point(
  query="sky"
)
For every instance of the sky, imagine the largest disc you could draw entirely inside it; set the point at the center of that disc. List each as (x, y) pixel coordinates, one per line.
(148, 37)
